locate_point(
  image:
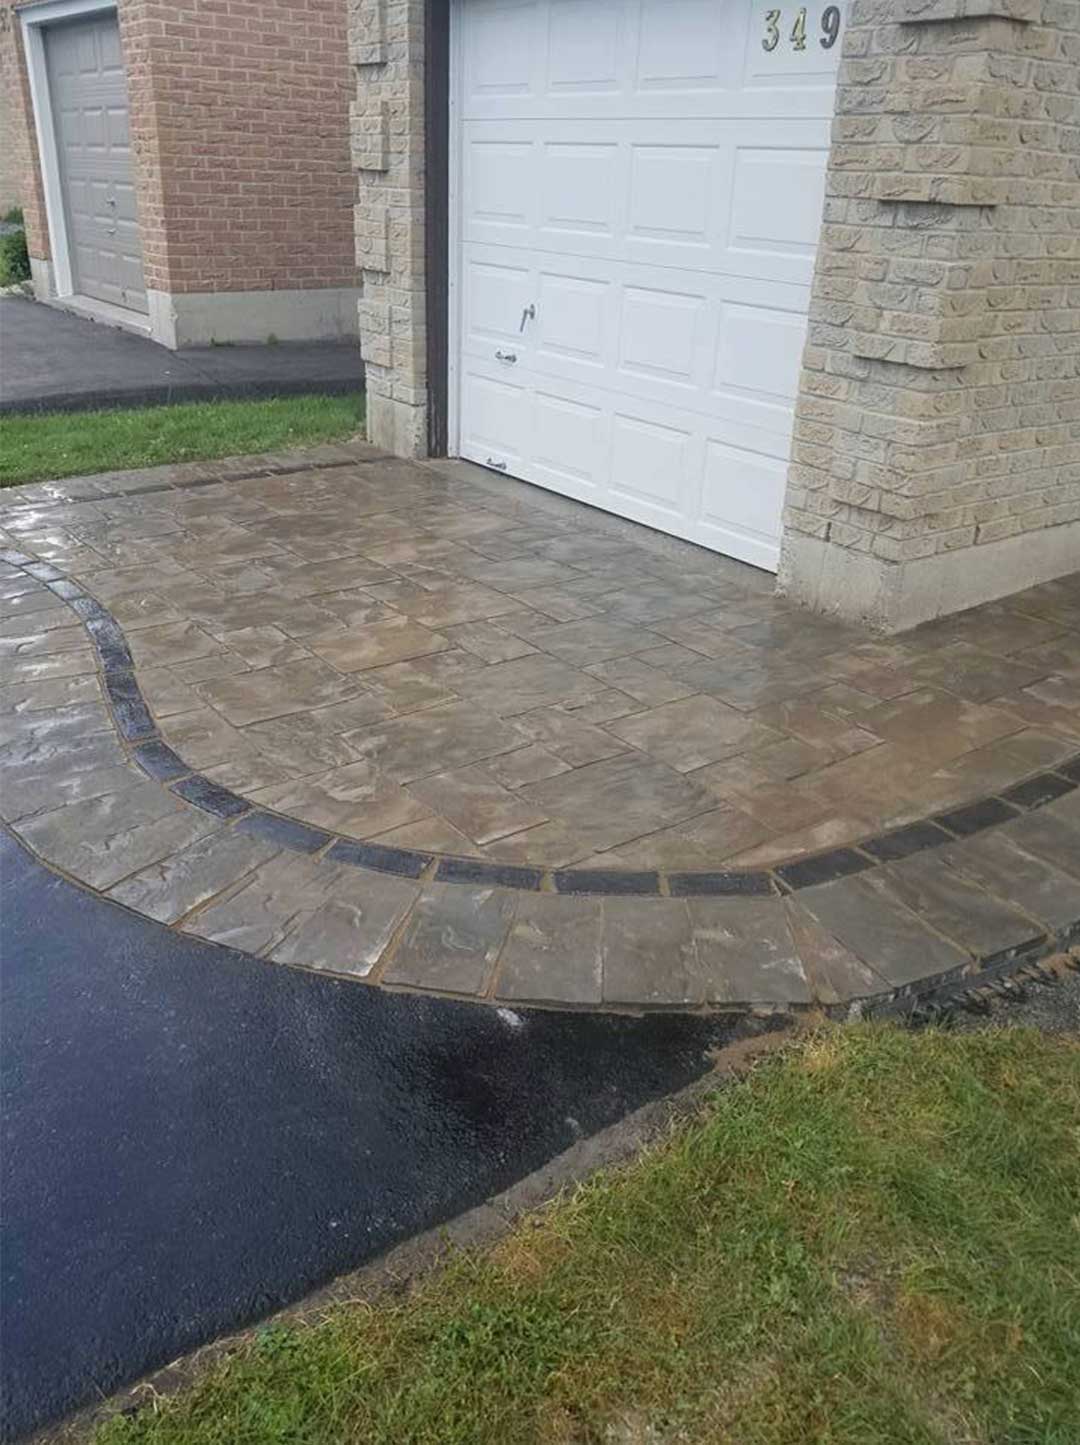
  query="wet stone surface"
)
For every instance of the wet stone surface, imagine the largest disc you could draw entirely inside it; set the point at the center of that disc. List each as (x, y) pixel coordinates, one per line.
(416, 725)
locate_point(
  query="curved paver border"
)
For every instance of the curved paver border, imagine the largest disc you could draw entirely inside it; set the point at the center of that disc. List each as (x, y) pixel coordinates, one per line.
(135, 724)
(851, 927)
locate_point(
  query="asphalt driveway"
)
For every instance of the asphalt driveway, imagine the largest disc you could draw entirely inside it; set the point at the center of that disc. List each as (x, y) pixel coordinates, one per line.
(51, 359)
(193, 1138)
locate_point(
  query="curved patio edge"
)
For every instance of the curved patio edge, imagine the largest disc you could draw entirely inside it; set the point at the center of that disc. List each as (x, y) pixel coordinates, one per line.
(988, 884)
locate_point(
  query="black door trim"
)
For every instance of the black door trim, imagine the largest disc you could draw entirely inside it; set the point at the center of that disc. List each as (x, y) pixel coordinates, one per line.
(436, 218)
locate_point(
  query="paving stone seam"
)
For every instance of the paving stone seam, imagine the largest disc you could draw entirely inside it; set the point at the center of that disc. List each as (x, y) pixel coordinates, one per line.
(139, 733)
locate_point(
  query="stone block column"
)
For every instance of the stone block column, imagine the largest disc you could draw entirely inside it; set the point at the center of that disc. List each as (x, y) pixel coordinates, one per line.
(386, 47)
(936, 459)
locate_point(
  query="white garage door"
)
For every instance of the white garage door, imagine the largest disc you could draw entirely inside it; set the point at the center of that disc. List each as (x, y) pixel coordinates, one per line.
(638, 192)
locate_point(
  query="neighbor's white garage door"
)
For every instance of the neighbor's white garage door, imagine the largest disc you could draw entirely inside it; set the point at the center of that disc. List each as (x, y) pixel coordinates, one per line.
(638, 190)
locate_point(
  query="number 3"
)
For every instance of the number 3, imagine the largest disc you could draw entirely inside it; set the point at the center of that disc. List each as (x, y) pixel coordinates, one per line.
(772, 30)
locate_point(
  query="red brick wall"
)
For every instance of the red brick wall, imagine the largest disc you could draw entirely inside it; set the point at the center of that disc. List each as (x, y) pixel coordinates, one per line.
(250, 163)
(23, 165)
(240, 128)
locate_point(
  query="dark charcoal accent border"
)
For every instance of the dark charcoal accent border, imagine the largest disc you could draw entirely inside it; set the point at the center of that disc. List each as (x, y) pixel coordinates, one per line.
(720, 885)
(402, 861)
(132, 716)
(87, 607)
(903, 842)
(973, 818)
(492, 874)
(159, 761)
(211, 797)
(115, 657)
(136, 725)
(67, 591)
(286, 832)
(1034, 792)
(839, 863)
(436, 214)
(606, 880)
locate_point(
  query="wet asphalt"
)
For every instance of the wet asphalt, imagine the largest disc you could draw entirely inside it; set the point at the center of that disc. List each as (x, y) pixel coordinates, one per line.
(193, 1138)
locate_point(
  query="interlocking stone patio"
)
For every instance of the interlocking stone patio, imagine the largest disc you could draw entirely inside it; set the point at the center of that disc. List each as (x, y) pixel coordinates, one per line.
(390, 711)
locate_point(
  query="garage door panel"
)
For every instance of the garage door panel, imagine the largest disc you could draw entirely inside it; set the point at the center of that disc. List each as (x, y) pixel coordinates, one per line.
(498, 413)
(571, 57)
(584, 46)
(570, 442)
(680, 46)
(778, 198)
(741, 499)
(760, 350)
(661, 334)
(813, 67)
(653, 187)
(579, 190)
(650, 463)
(502, 48)
(674, 196)
(88, 91)
(620, 191)
(495, 296)
(573, 322)
(499, 185)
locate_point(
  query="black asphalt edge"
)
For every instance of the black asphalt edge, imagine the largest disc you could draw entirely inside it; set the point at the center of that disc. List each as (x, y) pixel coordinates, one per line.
(402, 1267)
(135, 724)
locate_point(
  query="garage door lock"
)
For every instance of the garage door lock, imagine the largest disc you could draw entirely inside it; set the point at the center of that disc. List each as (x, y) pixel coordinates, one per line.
(509, 356)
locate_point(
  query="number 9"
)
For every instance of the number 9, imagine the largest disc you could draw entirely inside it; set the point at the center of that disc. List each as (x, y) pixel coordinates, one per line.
(830, 26)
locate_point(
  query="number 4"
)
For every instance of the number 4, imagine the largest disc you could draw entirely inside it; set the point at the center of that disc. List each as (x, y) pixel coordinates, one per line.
(798, 31)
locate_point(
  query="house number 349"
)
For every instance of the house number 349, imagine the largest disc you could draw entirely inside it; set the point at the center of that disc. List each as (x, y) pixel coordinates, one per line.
(830, 29)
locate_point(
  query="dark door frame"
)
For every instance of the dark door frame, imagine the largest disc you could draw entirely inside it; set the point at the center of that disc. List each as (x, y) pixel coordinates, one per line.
(436, 218)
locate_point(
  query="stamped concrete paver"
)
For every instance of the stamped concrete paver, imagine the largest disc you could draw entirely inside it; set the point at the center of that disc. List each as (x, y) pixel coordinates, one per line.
(881, 931)
(356, 799)
(170, 889)
(381, 706)
(957, 908)
(377, 644)
(554, 952)
(452, 939)
(350, 931)
(275, 691)
(692, 732)
(91, 837)
(433, 740)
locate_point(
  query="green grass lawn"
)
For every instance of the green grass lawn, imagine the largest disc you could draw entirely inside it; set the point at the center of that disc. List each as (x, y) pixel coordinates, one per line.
(46, 445)
(873, 1237)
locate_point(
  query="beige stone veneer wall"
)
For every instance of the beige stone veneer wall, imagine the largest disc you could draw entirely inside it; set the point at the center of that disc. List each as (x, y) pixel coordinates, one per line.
(386, 45)
(936, 461)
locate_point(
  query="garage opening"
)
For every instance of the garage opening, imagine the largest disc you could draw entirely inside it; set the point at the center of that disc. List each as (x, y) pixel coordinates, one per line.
(636, 192)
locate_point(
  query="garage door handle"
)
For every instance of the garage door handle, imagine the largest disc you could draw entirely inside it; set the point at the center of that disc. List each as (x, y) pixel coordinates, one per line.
(499, 466)
(505, 356)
